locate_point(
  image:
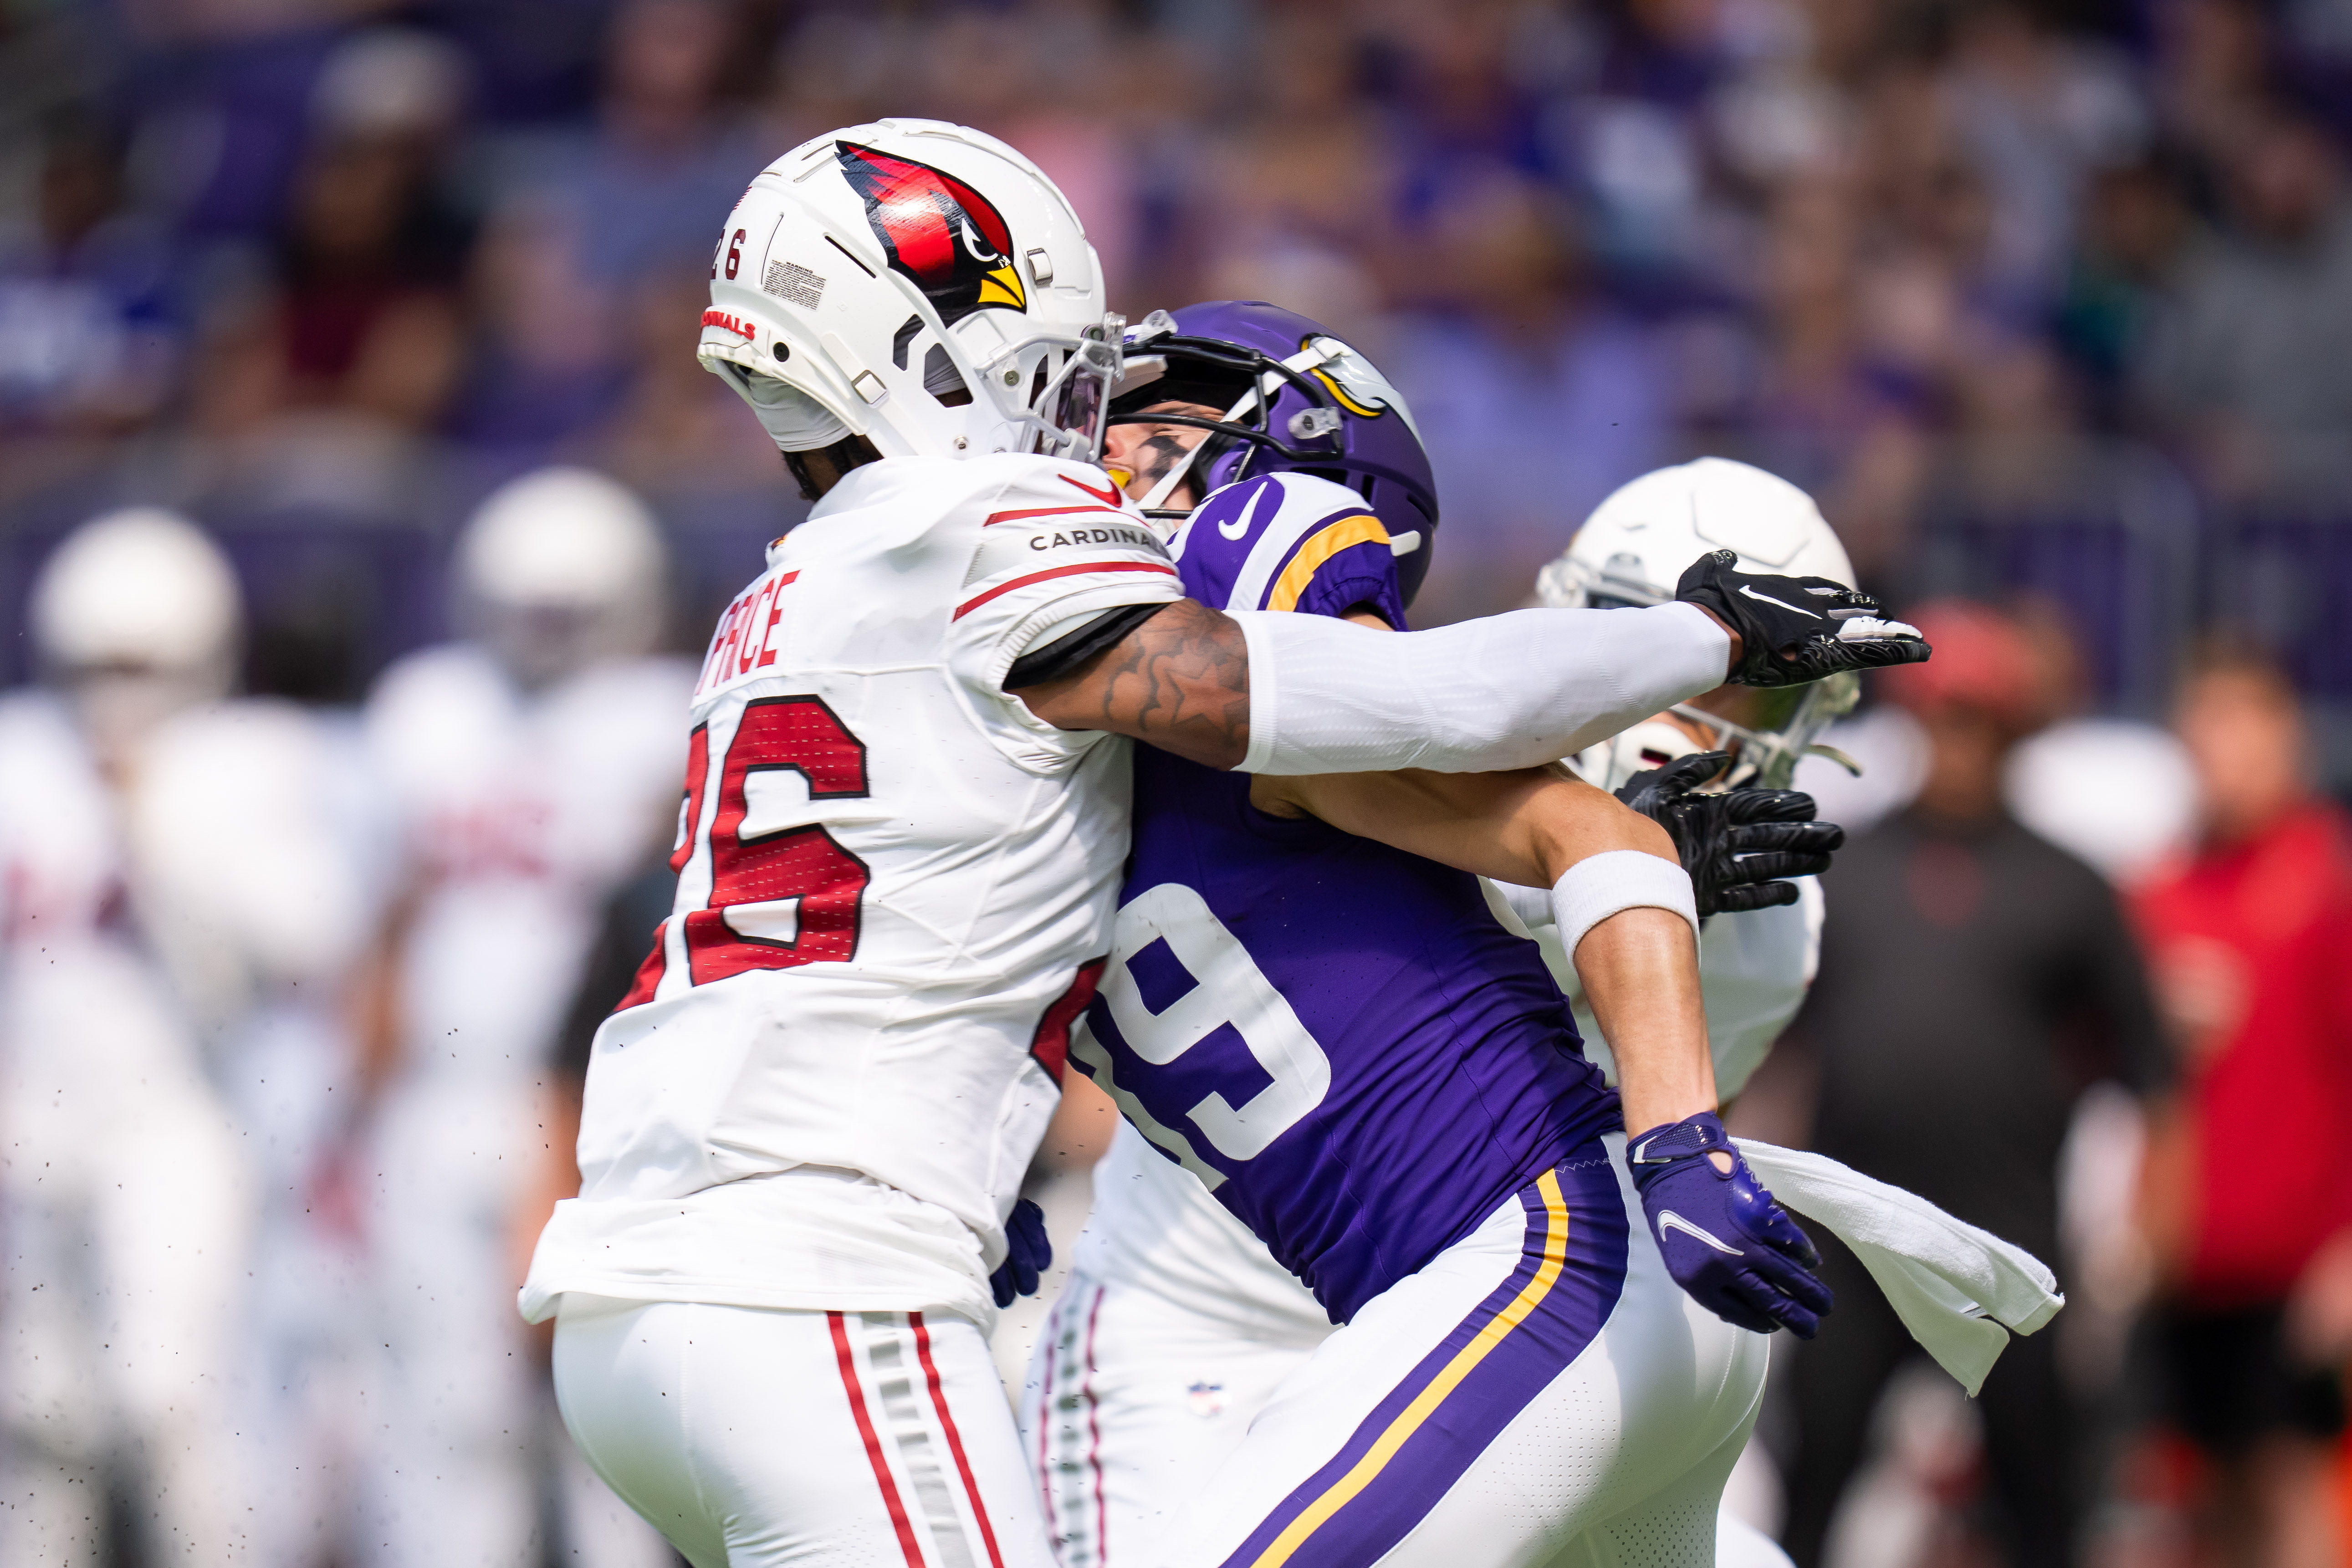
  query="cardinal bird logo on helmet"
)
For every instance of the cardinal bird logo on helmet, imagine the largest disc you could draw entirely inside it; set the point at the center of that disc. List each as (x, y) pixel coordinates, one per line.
(940, 232)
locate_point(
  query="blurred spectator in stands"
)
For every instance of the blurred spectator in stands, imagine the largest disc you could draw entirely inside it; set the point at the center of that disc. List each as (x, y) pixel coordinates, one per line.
(1823, 409)
(362, 317)
(1535, 399)
(2250, 359)
(2213, 70)
(835, 67)
(2249, 944)
(584, 233)
(1297, 202)
(88, 339)
(2039, 115)
(670, 155)
(546, 359)
(1988, 979)
(2136, 223)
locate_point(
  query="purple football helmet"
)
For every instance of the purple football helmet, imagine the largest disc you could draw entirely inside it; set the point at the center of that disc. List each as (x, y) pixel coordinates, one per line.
(1330, 412)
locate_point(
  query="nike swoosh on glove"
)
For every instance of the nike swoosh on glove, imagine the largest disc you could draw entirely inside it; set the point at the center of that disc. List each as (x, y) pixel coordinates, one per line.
(1725, 1241)
(1796, 629)
(1738, 843)
(1028, 1253)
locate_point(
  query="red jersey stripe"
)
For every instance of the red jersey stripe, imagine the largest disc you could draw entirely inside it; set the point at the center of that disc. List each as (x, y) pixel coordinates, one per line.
(1072, 570)
(1057, 512)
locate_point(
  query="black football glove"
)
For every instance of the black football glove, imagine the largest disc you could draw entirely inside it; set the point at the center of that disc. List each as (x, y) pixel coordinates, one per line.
(1796, 629)
(1737, 845)
(1028, 1253)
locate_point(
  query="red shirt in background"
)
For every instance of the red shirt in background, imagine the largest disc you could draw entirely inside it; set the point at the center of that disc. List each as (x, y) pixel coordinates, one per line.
(2251, 946)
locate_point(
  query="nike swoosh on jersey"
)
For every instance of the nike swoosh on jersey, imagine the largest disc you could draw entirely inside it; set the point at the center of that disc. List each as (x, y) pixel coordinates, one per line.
(1109, 498)
(1768, 599)
(1669, 1220)
(1248, 518)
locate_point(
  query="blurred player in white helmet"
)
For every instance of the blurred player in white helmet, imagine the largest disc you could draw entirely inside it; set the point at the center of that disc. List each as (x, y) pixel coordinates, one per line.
(903, 827)
(1630, 552)
(127, 1193)
(530, 766)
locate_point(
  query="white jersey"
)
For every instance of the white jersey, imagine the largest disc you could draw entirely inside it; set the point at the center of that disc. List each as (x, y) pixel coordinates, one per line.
(517, 811)
(895, 891)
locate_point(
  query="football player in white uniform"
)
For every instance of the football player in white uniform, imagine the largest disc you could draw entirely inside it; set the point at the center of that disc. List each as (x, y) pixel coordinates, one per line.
(529, 767)
(903, 827)
(128, 1193)
(1177, 1324)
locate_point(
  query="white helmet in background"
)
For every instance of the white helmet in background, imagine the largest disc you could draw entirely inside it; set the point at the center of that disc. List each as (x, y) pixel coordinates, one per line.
(916, 283)
(137, 615)
(1635, 548)
(562, 569)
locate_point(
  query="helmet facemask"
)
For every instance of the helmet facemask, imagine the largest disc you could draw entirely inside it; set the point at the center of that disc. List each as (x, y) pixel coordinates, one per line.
(1206, 372)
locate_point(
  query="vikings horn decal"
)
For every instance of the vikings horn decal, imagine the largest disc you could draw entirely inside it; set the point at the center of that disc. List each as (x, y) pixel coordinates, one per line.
(1359, 387)
(940, 232)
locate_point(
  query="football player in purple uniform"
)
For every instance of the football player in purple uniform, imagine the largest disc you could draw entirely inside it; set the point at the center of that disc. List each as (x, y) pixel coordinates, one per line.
(1359, 1052)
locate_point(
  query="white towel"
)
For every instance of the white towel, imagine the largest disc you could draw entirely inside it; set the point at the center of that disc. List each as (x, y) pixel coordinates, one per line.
(1954, 1287)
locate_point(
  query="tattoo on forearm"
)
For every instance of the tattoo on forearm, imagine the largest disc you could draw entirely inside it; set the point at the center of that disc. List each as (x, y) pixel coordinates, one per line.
(1179, 681)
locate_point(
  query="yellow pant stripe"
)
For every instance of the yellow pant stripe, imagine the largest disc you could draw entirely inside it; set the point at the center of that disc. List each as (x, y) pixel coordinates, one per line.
(1409, 1420)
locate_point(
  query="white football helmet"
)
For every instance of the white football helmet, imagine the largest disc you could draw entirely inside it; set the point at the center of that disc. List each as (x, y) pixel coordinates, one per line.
(137, 616)
(1634, 549)
(917, 283)
(559, 570)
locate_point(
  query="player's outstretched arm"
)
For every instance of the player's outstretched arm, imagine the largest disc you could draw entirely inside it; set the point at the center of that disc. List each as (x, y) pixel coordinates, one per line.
(1626, 914)
(1270, 692)
(1278, 693)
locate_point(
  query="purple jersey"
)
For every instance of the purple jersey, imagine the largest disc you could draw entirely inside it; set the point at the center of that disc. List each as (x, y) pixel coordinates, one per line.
(1342, 1040)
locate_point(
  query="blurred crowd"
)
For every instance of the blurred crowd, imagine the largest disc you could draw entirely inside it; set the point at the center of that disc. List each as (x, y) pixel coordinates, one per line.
(340, 759)
(2042, 294)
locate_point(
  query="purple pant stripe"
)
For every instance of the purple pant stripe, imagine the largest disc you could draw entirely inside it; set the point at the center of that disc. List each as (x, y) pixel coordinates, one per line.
(1474, 1413)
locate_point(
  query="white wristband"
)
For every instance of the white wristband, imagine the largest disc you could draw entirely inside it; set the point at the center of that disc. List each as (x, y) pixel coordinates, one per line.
(1616, 881)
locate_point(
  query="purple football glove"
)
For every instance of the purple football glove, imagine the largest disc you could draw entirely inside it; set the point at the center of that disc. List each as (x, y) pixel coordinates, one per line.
(1725, 1240)
(1028, 1253)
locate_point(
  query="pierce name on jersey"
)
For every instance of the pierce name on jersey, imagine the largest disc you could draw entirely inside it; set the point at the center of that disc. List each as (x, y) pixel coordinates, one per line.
(894, 891)
(1366, 1082)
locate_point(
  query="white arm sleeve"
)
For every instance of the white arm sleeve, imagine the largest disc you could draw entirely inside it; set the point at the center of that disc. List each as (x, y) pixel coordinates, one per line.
(1504, 691)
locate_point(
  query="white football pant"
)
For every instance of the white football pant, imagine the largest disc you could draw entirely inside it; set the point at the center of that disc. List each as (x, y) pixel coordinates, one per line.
(755, 1439)
(1604, 1436)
